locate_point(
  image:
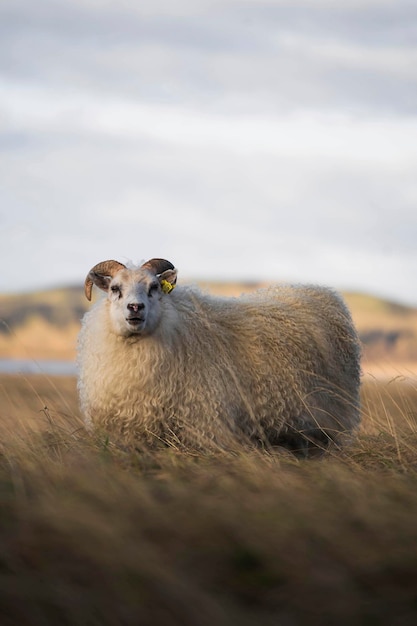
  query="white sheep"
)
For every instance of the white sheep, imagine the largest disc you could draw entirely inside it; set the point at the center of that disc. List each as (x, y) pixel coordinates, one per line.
(277, 367)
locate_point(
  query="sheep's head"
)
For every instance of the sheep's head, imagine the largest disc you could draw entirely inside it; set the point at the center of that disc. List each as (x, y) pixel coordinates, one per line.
(134, 295)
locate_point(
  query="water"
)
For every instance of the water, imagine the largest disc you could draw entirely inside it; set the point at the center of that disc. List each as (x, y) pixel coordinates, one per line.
(26, 366)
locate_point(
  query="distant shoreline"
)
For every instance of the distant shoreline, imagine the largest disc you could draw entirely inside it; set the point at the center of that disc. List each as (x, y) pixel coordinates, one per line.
(380, 370)
(31, 366)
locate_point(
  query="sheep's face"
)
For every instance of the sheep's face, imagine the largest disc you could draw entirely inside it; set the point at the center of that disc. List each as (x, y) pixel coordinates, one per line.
(134, 295)
(135, 300)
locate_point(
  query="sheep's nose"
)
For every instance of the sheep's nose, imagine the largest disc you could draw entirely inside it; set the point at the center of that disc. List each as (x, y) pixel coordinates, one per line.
(136, 307)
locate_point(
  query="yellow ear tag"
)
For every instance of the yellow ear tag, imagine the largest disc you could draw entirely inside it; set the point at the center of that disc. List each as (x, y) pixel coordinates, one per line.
(166, 286)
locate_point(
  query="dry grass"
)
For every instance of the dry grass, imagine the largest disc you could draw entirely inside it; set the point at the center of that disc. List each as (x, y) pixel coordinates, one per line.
(91, 534)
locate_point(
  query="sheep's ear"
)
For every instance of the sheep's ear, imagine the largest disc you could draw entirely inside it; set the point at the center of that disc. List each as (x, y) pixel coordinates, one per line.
(93, 278)
(101, 275)
(100, 281)
(168, 280)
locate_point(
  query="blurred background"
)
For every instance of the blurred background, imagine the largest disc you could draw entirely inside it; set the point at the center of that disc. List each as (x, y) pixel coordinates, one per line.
(247, 141)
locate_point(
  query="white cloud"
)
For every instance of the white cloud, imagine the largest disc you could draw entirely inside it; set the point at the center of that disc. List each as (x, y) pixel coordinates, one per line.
(398, 60)
(240, 139)
(300, 134)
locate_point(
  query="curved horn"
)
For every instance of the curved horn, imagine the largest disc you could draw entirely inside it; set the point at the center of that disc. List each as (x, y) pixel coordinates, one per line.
(157, 266)
(95, 275)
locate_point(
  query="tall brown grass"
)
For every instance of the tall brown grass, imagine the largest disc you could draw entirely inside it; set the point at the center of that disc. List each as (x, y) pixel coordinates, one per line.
(95, 534)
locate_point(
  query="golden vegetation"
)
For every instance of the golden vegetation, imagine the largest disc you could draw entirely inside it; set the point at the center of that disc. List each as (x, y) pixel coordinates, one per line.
(388, 331)
(95, 534)
(45, 325)
(39, 339)
(41, 325)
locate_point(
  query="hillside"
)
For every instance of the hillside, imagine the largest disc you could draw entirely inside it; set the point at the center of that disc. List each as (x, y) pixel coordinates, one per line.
(41, 325)
(45, 324)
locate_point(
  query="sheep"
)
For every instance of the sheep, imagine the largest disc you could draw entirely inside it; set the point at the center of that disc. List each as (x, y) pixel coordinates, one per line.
(279, 367)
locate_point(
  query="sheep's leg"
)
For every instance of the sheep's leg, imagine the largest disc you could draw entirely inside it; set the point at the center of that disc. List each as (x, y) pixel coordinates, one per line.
(303, 442)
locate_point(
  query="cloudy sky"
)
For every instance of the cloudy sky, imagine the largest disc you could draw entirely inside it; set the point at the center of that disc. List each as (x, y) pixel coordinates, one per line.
(240, 139)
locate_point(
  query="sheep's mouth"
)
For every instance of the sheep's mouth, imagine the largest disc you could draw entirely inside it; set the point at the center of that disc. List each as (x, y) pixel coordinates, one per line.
(135, 321)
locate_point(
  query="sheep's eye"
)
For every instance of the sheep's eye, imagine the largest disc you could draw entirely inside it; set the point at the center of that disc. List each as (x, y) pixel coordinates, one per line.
(116, 290)
(152, 289)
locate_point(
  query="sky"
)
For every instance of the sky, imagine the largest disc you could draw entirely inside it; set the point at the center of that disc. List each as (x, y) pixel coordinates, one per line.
(271, 140)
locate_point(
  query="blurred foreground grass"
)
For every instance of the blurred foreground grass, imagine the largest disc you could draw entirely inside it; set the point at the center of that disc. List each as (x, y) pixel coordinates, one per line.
(91, 534)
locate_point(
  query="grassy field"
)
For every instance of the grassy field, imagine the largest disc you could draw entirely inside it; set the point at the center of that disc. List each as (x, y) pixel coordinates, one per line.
(94, 534)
